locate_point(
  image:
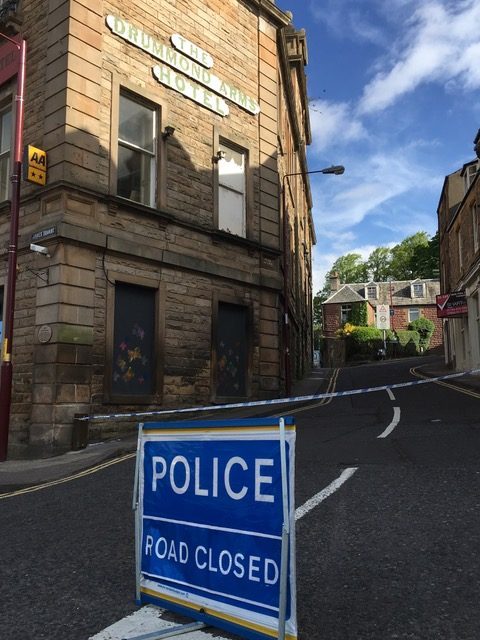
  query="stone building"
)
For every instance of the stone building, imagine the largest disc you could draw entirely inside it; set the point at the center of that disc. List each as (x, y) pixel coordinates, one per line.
(459, 237)
(176, 211)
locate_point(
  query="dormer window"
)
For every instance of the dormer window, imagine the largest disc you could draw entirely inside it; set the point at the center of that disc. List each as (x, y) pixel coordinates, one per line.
(372, 292)
(469, 174)
(418, 290)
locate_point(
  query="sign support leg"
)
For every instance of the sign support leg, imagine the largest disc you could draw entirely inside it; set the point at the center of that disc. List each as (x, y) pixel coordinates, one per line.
(138, 528)
(282, 607)
(173, 631)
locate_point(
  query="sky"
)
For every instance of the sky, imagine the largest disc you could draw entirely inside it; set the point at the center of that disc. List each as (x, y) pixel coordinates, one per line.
(394, 91)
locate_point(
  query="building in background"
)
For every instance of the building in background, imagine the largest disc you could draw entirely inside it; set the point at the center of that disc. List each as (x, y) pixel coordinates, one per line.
(407, 301)
(178, 238)
(458, 223)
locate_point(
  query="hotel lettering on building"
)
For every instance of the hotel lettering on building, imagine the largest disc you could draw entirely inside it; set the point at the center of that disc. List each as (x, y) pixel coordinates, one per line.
(175, 211)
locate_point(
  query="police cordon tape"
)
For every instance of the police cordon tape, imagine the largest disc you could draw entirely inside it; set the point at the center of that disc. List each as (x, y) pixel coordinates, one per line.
(277, 401)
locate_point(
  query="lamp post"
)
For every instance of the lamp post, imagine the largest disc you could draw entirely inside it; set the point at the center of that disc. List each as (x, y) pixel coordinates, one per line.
(335, 170)
(6, 369)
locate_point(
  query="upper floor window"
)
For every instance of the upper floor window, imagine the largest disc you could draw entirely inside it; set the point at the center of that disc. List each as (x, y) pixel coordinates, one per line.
(418, 290)
(5, 147)
(232, 206)
(474, 210)
(372, 291)
(469, 175)
(136, 172)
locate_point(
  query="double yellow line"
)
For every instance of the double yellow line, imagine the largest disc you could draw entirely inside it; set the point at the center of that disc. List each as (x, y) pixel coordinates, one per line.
(74, 476)
(442, 383)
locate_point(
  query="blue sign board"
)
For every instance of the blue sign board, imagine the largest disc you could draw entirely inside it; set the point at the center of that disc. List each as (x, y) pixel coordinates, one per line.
(213, 497)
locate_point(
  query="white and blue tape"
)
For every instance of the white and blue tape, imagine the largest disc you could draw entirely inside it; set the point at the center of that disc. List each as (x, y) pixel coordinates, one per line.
(265, 403)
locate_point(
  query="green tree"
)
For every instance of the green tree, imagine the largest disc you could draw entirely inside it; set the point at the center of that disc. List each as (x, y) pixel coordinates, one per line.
(403, 265)
(425, 259)
(350, 268)
(378, 264)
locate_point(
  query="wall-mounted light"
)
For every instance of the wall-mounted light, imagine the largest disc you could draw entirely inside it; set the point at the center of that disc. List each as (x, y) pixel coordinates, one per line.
(220, 155)
(168, 131)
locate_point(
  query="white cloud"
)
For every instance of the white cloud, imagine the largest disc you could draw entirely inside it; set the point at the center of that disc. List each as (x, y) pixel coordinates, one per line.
(369, 183)
(334, 122)
(441, 44)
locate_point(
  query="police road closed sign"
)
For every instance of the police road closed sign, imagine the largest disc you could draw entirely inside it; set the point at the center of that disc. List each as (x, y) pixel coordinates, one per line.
(211, 513)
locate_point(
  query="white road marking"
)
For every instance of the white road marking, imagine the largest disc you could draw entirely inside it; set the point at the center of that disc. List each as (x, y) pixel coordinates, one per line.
(324, 493)
(148, 619)
(393, 424)
(390, 394)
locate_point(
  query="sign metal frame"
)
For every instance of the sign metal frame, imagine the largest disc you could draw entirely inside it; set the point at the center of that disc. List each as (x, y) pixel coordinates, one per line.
(160, 446)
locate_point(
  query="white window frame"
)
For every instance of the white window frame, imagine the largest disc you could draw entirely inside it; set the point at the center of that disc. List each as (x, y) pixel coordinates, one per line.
(232, 191)
(416, 287)
(345, 311)
(475, 226)
(5, 152)
(149, 156)
(375, 295)
(414, 313)
(469, 175)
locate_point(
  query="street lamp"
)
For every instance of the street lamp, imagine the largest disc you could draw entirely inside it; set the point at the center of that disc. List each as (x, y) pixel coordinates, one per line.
(6, 366)
(337, 170)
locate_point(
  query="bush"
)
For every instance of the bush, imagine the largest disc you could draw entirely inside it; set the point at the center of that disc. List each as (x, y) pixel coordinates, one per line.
(363, 342)
(425, 329)
(409, 342)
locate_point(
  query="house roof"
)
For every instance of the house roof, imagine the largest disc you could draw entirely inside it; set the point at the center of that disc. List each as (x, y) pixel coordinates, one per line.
(346, 294)
(395, 293)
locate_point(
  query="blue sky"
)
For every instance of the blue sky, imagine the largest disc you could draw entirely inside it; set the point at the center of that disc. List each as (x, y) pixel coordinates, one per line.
(394, 97)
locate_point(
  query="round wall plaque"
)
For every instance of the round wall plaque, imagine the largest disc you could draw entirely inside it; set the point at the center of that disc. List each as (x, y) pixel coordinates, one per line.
(44, 334)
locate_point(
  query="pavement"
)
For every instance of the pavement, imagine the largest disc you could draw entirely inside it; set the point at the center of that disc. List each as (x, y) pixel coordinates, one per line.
(19, 474)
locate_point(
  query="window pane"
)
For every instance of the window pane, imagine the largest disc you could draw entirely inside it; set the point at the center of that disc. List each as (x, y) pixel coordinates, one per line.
(231, 212)
(133, 366)
(231, 169)
(6, 133)
(413, 314)
(4, 176)
(134, 173)
(232, 350)
(136, 124)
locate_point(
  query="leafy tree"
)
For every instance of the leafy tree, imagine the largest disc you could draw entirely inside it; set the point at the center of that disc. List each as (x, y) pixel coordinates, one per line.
(350, 268)
(378, 264)
(425, 259)
(403, 264)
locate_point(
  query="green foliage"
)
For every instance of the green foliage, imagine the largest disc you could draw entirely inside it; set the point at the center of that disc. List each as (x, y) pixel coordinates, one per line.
(417, 256)
(350, 268)
(363, 343)
(402, 264)
(359, 314)
(409, 341)
(425, 329)
(378, 264)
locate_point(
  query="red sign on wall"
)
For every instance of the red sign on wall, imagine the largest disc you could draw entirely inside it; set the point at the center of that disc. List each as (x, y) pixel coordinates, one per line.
(9, 59)
(452, 304)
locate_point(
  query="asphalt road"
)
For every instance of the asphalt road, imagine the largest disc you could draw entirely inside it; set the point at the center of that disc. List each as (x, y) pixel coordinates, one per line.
(391, 554)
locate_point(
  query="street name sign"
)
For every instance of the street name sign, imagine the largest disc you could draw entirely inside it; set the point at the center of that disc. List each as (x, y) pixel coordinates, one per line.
(215, 523)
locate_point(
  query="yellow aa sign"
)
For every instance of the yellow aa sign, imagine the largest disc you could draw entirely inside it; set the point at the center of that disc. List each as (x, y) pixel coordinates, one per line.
(36, 165)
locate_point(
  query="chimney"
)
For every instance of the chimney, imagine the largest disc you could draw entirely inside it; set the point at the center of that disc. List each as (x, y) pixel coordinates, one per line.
(334, 281)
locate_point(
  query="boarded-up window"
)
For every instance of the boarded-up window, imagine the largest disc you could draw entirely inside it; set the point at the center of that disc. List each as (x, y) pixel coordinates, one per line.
(232, 191)
(133, 364)
(232, 350)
